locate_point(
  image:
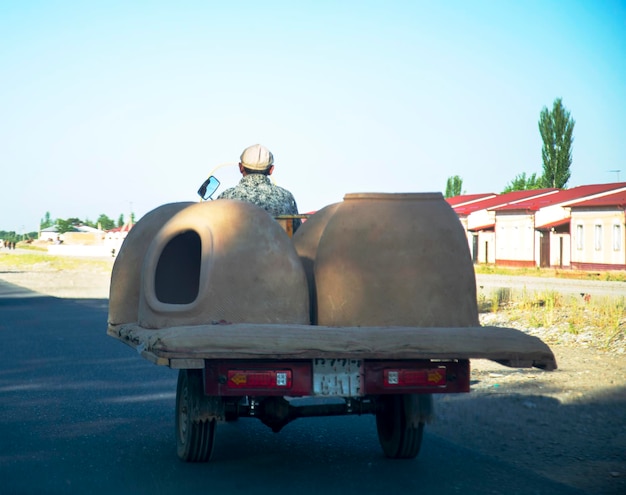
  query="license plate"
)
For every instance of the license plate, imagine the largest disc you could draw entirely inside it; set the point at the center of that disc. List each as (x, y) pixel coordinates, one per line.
(338, 377)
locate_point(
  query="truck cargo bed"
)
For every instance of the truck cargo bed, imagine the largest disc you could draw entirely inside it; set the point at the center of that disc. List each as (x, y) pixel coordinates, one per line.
(189, 346)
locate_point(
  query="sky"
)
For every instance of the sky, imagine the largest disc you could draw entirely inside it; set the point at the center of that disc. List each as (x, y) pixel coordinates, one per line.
(119, 106)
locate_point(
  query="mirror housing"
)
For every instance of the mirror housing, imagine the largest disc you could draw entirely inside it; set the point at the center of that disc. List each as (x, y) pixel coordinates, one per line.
(208, 188)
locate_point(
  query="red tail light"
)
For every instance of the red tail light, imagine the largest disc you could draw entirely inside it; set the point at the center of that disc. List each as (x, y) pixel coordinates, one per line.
(266, 379)
(249, 377)
(422, 377)
(435, 377)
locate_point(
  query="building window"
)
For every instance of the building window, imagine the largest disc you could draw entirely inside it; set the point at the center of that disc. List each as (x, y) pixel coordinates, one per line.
(617, 237)
(579, 237)
(597, 237)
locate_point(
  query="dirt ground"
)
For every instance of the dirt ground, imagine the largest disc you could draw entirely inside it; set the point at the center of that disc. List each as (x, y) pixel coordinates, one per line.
(569, 424)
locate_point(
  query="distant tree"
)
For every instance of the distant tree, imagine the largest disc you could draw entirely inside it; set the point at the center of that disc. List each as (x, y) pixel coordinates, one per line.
(556, 128)
(64, 226)
(88, 222)
(120, 220)
(8, 236)
(46, 221)
(67, 225)
(105, 222)
(523, 183)
(454, 186)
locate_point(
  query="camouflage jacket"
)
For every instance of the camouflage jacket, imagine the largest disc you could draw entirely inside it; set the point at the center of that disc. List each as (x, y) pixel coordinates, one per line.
(258, 189)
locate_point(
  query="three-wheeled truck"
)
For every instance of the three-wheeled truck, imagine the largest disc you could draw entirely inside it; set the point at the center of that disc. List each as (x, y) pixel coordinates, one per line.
(370, 308)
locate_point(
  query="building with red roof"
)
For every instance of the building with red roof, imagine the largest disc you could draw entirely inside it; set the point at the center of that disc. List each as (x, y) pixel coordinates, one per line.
(536, 227)
(536, 232)
(466, 199)
(478, 219)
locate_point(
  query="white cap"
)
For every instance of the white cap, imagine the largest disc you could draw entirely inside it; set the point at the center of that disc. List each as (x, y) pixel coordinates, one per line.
(257, 157)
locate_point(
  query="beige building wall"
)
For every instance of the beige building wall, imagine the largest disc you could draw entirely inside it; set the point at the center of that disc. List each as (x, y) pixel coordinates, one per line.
(598, 239)
(515, 239)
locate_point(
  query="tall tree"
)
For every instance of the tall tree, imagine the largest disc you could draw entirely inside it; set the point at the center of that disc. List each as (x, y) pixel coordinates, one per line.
(556, 128)
(522, 183)
(120, 220)
(46, 221)
(454, 185)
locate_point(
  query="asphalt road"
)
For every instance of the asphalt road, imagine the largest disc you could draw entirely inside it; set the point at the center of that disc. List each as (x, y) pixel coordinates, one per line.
(518, 283)
(82, 413)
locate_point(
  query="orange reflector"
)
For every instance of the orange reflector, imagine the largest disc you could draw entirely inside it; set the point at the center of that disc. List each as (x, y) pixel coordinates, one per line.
(259, 379)
(435, 377)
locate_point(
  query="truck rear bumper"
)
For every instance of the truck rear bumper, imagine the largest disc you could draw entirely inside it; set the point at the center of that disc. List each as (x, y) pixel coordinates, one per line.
(334, 377)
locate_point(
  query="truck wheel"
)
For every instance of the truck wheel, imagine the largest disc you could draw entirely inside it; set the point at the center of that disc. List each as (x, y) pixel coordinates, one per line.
(194, 438)
(398, 437)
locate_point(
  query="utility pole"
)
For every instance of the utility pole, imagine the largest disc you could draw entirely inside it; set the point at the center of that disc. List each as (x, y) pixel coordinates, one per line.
(615, 172)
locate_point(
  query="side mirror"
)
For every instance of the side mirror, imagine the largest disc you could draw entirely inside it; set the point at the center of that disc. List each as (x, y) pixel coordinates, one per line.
(208, 187)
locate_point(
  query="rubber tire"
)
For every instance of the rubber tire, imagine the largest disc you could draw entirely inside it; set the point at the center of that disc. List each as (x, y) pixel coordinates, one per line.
(194, 439)
(398, 438)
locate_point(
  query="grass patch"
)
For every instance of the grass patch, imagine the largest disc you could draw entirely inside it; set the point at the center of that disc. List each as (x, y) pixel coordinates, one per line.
(33, 247)
(496, 301)
(602, 317)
